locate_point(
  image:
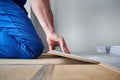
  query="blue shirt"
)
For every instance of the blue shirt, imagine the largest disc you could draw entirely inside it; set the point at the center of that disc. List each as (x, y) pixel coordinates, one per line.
(22, 1)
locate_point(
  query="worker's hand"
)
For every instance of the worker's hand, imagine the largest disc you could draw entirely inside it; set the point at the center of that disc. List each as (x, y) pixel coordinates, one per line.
(56, 40)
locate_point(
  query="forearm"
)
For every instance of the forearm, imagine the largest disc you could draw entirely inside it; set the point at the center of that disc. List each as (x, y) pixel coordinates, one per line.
(42, 10)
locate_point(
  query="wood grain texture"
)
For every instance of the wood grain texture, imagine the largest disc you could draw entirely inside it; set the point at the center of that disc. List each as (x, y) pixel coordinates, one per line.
(70, 68)
(71, 56)
(84, 72)
(44, 73)
(18, 72)
(60, 72)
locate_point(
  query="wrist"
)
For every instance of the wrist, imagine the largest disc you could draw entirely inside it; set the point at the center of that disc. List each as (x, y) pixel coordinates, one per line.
(50, 33)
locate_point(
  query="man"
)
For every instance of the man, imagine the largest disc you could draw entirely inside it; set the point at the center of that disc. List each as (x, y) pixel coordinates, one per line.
(18, 38)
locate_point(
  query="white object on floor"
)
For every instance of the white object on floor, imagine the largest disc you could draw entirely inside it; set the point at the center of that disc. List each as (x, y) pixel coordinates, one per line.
(115, 50)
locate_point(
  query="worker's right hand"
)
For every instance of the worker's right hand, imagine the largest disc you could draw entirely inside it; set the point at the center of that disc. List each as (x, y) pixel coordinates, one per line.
(56, 40)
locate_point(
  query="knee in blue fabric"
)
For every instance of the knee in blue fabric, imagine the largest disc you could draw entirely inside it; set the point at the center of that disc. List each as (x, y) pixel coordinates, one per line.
(31, 50)
(7, 46)
(10, 48)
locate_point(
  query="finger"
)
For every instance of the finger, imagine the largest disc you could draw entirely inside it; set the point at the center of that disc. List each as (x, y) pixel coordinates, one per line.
(64, 47)
(51, 47)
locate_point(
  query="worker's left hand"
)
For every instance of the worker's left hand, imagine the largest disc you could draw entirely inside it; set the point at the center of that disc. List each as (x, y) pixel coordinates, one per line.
(56, 40)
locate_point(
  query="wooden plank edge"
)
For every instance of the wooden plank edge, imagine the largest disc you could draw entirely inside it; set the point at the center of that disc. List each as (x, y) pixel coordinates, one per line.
(71, 56)
(39, 61)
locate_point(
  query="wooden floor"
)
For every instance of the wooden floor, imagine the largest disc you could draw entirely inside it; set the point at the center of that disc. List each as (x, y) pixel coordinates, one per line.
(53, 67)
(60, 72)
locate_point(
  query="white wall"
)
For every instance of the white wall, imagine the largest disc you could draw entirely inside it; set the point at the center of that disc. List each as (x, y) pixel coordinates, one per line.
(85, 23)
(88, 23)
